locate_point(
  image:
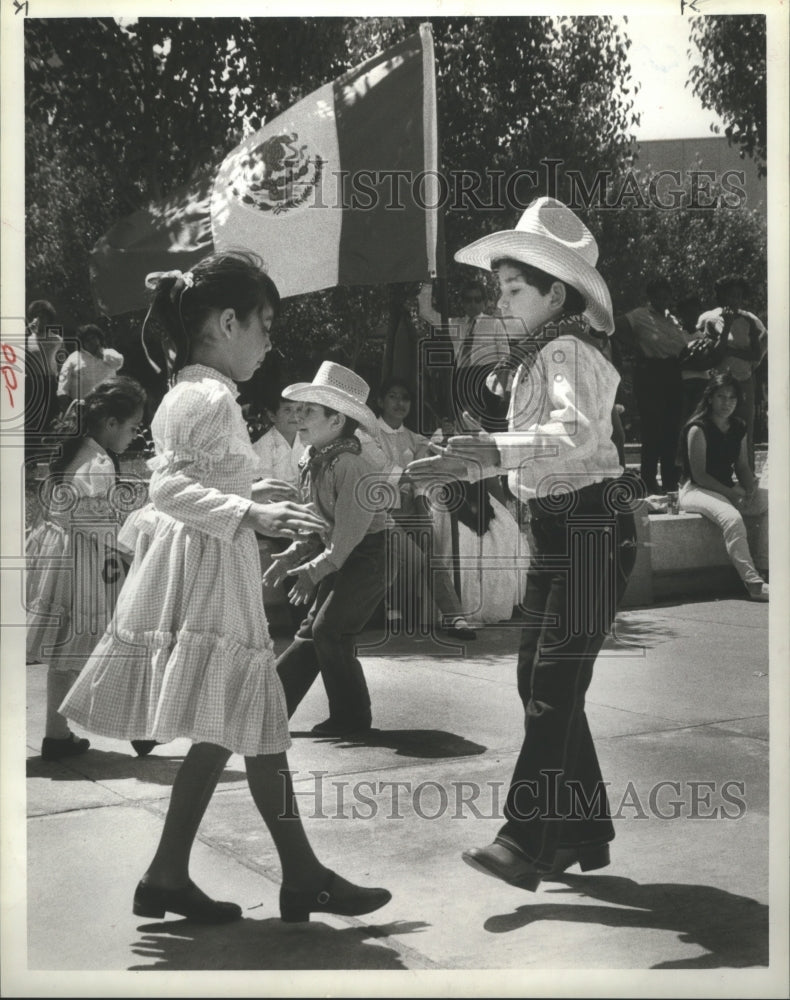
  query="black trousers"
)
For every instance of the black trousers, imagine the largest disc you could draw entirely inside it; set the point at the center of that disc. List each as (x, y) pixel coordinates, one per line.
(580, 559)
(659, 398)
(325, 642)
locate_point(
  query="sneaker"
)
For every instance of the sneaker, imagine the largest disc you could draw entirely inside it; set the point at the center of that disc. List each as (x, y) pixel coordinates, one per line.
(459, 628)
(758, 591)
(71, 746)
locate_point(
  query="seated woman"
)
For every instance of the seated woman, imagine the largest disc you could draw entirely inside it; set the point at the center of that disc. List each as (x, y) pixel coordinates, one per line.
(713, 448)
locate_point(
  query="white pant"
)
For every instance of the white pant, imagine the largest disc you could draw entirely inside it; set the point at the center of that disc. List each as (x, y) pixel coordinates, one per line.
(740, 527)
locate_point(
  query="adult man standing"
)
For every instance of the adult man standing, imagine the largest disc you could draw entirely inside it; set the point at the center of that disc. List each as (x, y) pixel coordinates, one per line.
(655, 339)
(479, 342)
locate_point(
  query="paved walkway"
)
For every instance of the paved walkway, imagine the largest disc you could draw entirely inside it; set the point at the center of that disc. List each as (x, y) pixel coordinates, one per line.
(679, 709)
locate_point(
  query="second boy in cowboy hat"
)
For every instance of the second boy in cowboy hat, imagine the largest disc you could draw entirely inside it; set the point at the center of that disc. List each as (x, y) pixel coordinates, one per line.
(344, 579)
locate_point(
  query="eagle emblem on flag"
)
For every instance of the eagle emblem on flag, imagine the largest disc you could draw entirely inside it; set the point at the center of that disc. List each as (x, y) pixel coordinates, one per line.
(276, 175)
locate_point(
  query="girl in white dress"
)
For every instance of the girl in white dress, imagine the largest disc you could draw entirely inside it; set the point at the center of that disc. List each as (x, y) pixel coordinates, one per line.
(74, 573)
(188, 652)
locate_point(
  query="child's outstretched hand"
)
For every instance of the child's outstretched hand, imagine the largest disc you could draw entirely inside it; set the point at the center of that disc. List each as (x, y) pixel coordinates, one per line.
(475, 447)
(271, 490)
(303, 589)
(280, 566)
(284, 518)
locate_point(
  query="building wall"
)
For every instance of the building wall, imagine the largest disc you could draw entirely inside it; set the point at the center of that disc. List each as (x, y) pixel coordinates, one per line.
(706, 153)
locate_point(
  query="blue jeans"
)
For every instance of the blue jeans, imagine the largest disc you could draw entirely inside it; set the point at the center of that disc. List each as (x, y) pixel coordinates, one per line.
(325, 642)
(580, 561)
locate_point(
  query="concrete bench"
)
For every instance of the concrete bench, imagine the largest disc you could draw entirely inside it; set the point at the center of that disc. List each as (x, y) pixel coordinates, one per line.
(679, 555)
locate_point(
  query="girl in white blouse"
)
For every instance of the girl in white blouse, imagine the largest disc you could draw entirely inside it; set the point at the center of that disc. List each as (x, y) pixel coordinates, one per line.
(563, 466)
(188, 652)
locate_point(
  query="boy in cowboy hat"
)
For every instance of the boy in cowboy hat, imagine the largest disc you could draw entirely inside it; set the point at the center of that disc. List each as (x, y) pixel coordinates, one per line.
(345, 581)
(564, 467)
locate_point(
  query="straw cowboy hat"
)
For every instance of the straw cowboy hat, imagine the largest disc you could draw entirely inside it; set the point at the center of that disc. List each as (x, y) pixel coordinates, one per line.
(340, 389)
(551, 237)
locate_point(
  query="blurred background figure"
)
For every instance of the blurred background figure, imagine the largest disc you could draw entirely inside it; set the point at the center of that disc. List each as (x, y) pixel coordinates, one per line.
(655, 339)
(747, 343)
(86, 367)
(479, 344)
(43, 344)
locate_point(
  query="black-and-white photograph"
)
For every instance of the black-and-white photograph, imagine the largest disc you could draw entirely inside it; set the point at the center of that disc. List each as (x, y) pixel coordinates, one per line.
(388, 469)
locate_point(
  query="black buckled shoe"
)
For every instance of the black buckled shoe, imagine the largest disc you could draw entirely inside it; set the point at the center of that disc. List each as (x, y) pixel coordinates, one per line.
(589, 857)
(189, 902)
(71, 746)
(342, 727)
(504, 860)
(335, 896)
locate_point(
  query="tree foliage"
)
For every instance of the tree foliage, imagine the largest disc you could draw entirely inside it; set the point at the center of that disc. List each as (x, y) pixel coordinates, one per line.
(120, 113)
(731, 77)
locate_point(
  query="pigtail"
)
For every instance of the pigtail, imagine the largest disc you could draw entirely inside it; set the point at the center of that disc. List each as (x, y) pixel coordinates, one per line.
(167, 310)
(69, 431)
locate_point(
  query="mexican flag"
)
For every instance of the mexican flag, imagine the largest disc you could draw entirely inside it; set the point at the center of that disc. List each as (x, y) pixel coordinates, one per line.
(341, 189)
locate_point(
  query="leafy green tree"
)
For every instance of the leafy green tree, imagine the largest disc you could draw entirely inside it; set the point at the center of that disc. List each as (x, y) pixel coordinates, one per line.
(120, 113)
(693, 247)
(731, 77)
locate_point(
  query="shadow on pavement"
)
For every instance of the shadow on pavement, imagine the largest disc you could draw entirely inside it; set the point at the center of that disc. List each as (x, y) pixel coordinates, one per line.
(732, 929)
(635, 631)
(99, 765)
(268, 944)
(428, 743)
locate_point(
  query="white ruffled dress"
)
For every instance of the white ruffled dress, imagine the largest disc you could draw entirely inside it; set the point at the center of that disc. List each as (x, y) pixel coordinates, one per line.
(74, 574)
(188, 652)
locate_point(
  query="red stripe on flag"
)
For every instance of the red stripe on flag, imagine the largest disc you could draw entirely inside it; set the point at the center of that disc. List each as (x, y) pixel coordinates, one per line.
(379, 115)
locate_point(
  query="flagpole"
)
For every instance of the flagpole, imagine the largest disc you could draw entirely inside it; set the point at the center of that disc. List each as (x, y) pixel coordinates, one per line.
(435, 229)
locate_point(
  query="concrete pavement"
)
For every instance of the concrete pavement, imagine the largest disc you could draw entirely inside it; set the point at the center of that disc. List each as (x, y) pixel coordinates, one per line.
(679, 710)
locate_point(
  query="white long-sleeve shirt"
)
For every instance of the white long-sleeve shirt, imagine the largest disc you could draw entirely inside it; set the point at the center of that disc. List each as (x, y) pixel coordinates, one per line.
(560, 422)
(279, 459)
(82, 372)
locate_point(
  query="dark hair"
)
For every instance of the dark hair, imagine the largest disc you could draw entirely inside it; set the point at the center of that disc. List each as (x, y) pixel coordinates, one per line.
(351, 425)
(657, 284)
(473, 285)
(272, 401)
(691, 299)
(394, 382)
(575, 303)
(728, 281)
(118, 397)
(89, 330)
(689, 307)
(719, 380)
(232, 280)
(42, 310)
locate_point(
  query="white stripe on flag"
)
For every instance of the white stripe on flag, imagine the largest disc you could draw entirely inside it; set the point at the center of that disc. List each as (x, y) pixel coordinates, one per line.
(277, 194)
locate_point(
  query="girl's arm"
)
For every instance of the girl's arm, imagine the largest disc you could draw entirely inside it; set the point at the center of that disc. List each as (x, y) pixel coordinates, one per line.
(200, 429)
(698, 449)
(743, 471)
